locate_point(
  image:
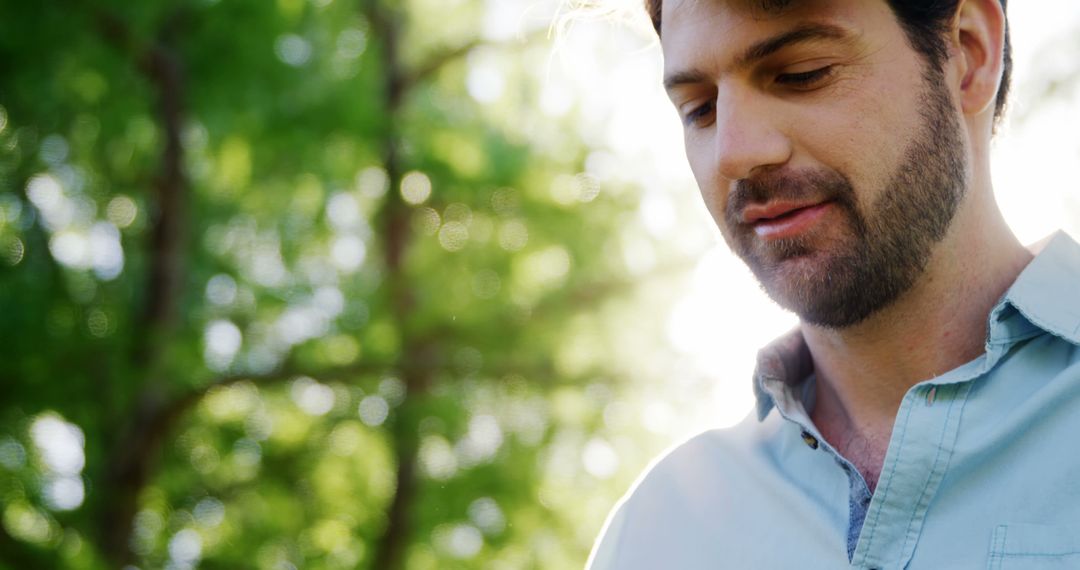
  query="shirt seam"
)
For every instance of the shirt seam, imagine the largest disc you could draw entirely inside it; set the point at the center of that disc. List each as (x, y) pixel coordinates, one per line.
(1039, 554)
(1058, 331)
(889, 479)
(923, 503)
(1038, 330)
(998, 547)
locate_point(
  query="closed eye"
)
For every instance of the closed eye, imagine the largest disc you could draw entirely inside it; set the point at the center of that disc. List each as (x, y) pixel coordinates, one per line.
(805, 79)
(699, 114)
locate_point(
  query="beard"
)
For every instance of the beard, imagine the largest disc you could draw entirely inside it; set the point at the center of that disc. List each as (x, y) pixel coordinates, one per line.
(836, 282)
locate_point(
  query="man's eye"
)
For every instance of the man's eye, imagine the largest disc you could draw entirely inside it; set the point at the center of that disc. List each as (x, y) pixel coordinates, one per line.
(699, 113)
(804, 79)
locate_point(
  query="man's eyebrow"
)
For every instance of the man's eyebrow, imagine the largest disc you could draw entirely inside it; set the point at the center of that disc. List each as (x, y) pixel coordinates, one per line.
(765, 48)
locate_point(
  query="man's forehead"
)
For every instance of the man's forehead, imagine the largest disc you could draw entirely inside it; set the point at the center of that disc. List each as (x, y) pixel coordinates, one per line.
(717, 14)
(733, 23)
(763, 7)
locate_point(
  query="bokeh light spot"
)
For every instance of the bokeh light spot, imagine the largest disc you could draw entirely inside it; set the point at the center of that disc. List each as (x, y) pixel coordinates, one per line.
(458, 212)
(453, 236)
(348, 253)
(54, 150)
(221, 290)
(505, 202)
(485, 82)
(415, 188)
(231, 402)
(12, 454)
(106, 253)
(393, 389)
(569, 190)
(351, 43)
(600, 459)
(373, 410)
(221, 342)
(185, 548)
(70, 249)
(345, 439)
(97, 322)
(122, 211)
(209, 512)
(313, 398)
(426, 221)
(13, 251)
(64, 493)
(28, 524)
(513, 235)
(341, 349)
(437, 458)
(481, 442)
(461, 541)
(292, 50)
(372, 182)
(486, 514)
(343, 211)
(60, 444)
(547, 267)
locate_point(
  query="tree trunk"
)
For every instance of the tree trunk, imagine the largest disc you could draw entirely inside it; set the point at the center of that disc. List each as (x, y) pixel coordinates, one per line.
(417, 359)
(141, 432)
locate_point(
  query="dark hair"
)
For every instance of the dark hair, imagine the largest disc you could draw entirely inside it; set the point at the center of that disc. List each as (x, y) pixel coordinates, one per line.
(925, 23)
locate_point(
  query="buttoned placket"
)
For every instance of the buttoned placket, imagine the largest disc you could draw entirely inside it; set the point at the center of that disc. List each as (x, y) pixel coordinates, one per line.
(917, 459)
(923, 437)
(793, 411)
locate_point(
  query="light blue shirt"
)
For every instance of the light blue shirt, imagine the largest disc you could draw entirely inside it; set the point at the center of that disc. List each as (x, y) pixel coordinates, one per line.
(982, 470)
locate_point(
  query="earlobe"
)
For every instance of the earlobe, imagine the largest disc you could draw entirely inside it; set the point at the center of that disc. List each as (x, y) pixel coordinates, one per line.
(979, 37)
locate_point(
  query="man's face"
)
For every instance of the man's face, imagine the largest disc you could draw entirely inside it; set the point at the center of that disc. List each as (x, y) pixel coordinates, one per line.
(829, 154)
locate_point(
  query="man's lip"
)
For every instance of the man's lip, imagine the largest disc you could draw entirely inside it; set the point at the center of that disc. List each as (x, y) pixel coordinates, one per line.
(755, 213)
(792, 223)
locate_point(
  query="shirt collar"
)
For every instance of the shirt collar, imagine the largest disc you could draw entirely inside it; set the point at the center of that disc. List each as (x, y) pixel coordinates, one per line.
(1044, 297)
(781, 366)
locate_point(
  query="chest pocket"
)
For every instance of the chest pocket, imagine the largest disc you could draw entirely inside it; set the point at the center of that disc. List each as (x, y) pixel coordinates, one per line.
(1035, 547)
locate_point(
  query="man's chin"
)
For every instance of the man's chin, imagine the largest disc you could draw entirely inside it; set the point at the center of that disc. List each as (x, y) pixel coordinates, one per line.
(780, 263)
(809, 284)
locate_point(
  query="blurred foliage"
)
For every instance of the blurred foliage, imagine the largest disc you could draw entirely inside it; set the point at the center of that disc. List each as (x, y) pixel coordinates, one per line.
(304, 284)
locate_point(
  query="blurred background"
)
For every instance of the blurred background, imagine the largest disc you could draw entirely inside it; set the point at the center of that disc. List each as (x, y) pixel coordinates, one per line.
(371, 284)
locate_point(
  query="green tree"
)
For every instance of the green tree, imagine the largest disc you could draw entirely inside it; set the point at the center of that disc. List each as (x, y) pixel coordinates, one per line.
(277, 290)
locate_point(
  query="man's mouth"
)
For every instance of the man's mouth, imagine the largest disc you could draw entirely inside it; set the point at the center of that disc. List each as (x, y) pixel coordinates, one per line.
(778, 220)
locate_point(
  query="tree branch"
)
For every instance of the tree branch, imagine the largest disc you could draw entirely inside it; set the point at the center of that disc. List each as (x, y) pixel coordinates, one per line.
(290, 372)
(447, 55)
(436, 62)
(589, 293)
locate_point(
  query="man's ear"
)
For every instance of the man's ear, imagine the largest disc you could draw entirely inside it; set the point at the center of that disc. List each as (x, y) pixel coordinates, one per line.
(978, 37)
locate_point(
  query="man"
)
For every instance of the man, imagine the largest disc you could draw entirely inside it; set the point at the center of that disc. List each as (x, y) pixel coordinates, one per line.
(925, 413)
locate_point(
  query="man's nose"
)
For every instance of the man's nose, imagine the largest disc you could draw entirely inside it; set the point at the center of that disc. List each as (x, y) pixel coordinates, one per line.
(749, 135)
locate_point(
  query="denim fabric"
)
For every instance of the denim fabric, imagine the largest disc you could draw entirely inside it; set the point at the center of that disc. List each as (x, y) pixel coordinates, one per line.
(982, 468)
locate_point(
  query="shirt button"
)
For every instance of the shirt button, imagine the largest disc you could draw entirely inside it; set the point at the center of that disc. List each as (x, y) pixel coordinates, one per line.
(809, 439)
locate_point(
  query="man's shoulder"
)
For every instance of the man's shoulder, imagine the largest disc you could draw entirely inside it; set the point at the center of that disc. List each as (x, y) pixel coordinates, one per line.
(709, 452)
(677, 499)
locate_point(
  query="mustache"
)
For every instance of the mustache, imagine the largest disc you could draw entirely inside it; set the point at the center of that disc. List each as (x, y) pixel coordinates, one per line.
(798, 186)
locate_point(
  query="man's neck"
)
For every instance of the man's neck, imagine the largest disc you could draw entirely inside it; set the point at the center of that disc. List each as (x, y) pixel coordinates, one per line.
(864, 371)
